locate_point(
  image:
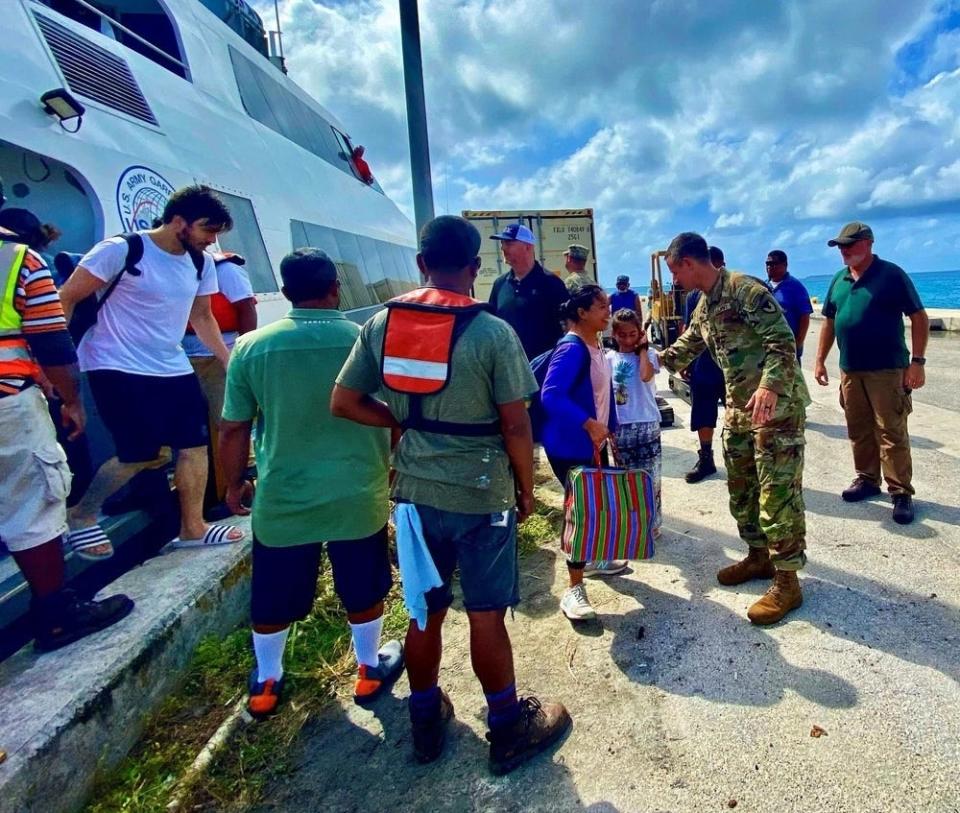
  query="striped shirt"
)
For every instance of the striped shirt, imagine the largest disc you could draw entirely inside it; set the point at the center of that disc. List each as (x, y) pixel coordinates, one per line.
(44, 327)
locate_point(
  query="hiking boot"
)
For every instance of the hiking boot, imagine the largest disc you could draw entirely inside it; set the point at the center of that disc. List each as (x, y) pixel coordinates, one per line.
(62, 618)
(576, 606)
(902, 509)
(538, 727)
(757, 565)
(430, 734)
(783, 596)
(860, 489)
(264, 697)
(704, 467)
(372, 681)
(607, 567)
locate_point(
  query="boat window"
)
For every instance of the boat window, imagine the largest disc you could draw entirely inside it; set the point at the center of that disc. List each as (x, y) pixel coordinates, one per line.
(140, 25)
(266, 100)
(246, 240)
(371, 271)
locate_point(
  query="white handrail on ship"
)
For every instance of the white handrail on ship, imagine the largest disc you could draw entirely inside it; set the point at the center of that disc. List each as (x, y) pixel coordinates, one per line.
(130, 33)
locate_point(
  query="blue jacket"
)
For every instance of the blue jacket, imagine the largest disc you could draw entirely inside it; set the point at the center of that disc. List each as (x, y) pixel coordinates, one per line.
(568, 402)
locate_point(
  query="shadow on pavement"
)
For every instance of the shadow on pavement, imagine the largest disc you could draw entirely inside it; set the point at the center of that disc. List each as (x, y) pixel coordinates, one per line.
(344, 764)
(838, 431)
(879, 510)
(691, 646)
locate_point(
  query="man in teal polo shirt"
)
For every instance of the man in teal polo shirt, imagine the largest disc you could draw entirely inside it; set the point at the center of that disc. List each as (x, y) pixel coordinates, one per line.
(864, 311)
(322, 480)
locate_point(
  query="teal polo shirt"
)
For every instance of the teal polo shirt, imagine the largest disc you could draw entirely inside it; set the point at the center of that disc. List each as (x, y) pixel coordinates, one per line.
(320, 478)
(867, 316)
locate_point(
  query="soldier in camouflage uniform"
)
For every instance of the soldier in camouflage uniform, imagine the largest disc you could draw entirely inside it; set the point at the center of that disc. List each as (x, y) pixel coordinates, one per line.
(741, 324)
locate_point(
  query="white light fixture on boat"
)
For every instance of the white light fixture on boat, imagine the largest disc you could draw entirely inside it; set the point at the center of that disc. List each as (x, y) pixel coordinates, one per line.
(60, 103)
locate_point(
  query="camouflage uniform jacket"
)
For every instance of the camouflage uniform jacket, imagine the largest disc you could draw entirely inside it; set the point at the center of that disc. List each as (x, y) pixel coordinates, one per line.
(743, 327)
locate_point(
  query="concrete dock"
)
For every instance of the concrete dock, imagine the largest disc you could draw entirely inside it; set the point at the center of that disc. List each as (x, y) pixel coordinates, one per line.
(679, 704)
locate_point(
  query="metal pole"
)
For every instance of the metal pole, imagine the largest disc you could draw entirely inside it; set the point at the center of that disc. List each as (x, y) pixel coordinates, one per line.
(416, 113)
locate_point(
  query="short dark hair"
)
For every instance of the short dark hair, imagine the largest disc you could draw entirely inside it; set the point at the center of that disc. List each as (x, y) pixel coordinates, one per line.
(308, 273)
(716, 257)
(198, 202)
(688, 244)
(449, 244)
(777, 255)
(582, 297)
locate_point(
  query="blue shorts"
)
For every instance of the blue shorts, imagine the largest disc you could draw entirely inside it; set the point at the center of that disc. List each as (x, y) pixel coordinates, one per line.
(483, 549)
(284, 580)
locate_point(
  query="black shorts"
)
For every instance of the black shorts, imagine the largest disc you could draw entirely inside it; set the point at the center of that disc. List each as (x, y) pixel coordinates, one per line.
(706, 393)
(284, 580)
(146, 412)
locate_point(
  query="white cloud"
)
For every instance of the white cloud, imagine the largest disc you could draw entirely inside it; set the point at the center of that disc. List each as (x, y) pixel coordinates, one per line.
(766, 123)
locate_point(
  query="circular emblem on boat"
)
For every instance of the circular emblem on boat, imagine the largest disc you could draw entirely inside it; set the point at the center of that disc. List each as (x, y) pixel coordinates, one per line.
(141, 195)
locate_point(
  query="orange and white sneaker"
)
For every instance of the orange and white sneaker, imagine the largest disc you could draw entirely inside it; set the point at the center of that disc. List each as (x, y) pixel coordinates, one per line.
(264, 697)
(372, 681)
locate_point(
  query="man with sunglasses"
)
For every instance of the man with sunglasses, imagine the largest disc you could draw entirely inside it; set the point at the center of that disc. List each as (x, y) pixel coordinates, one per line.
(864, 311)
(791, 295)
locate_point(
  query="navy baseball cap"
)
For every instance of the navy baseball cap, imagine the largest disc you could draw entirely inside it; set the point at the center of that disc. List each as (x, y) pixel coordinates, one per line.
(518, 232)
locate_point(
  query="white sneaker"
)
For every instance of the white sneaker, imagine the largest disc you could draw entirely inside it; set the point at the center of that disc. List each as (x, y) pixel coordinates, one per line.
(575, 605)
(607, 567)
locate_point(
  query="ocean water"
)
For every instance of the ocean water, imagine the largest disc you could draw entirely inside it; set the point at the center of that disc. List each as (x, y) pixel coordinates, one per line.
(937, 289)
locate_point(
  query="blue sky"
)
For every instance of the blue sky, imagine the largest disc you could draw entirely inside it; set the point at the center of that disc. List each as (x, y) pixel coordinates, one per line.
(760, 124)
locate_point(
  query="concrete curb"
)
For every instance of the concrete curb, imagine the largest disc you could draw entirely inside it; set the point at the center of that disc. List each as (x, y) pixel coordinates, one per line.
(77, 711)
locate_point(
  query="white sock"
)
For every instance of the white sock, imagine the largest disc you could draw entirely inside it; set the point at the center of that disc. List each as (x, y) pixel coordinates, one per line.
(268, 648)
(366, 641)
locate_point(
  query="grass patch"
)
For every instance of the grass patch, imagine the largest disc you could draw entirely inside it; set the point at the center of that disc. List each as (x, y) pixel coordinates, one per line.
(318, 657)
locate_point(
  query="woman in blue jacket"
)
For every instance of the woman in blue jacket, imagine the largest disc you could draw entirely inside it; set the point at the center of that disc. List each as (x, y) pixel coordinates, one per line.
(577, 398)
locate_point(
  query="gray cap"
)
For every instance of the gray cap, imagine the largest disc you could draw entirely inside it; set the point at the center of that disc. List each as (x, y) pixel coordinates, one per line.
(851, 233)
(577, 252)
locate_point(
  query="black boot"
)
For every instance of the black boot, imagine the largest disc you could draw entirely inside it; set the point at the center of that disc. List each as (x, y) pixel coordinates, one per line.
(62, 618)
(703, 468)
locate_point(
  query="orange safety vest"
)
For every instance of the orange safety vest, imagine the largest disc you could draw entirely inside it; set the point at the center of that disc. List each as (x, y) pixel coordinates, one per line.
(222, 308)
(421, 331)
(16, 360)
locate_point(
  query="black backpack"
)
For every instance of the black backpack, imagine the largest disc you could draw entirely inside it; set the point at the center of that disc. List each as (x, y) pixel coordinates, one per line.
(85, 312)
(539, 366)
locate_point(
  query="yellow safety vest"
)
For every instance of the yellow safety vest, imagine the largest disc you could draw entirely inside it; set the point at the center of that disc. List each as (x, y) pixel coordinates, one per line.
(15, 358)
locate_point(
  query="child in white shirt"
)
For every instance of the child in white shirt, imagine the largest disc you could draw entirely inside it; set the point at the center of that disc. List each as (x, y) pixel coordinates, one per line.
(634, 366)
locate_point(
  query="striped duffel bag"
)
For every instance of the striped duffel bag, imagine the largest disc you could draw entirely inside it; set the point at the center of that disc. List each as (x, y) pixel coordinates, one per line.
(608, 514)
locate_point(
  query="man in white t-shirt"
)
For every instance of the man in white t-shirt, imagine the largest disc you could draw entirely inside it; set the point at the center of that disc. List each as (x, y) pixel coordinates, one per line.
(145, 389)
(235, 308)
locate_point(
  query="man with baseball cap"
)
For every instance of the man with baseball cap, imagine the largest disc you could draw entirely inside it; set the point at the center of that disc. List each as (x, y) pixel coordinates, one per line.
(625, 297)
(466, 490)
(864, 311)
(282, 376)
(527, 297)
(576, 267)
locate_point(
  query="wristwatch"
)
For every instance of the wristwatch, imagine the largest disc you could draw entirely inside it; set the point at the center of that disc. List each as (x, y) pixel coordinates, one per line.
(918, 360)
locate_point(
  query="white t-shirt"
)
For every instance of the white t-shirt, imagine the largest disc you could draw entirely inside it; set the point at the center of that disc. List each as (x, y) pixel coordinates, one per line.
(139, 328)
(234, 283)
(636, 399)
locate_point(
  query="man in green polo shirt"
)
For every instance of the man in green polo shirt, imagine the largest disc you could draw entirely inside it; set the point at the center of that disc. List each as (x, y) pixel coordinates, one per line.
(864, 311)
(322, 481)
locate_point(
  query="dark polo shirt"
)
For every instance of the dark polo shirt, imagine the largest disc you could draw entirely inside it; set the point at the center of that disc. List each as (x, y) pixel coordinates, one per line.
(530, 306)
(868, 316)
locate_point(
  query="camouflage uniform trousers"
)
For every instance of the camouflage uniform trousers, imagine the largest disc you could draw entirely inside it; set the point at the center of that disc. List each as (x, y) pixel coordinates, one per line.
(765, 480)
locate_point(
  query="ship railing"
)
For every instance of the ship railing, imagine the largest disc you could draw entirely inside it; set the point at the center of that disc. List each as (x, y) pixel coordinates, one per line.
(132, 34)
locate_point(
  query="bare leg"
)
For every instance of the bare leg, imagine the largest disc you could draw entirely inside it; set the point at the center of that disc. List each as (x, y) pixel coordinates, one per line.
(490, 650)
(705, 434)
(423, 650)
(190, 477)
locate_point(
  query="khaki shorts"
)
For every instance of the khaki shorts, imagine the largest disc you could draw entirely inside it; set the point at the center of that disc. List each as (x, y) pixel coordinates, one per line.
(34, 476)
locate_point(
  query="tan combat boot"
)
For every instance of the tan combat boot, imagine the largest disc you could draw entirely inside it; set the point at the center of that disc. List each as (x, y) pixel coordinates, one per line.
(783, 596)
(757, 565)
